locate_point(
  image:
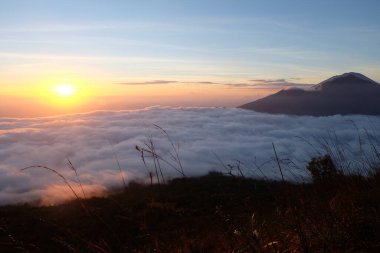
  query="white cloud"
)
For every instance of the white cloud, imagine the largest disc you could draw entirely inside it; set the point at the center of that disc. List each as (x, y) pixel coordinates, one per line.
(90, 141)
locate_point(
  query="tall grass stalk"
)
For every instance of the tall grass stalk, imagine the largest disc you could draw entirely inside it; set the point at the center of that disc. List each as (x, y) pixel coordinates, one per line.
(278, 162)
(83, 204)
(148, 150)
(67, 183)
(71, 166)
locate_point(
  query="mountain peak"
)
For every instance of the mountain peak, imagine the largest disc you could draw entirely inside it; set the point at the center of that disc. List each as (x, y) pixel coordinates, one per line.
(349, 93)
(346, 77)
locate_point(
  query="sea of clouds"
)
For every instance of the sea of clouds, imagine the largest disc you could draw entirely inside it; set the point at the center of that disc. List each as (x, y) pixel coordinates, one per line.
(208, 139)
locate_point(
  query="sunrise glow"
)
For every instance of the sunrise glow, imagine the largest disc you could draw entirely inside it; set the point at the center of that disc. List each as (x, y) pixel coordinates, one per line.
(64, 90)
(181, 126)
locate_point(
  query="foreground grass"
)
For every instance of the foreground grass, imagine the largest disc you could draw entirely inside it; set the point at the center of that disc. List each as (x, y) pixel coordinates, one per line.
(214, 213)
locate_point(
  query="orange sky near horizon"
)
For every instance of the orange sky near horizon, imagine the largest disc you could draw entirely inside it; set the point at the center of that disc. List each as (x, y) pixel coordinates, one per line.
(43, 101)
(120, 55)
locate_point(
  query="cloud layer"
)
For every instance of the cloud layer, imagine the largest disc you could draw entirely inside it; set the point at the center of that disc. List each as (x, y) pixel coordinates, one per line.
(208, 139)
(275, 84)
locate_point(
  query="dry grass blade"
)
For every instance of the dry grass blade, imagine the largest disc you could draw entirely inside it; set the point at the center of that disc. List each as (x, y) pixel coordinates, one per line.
(56, 173)
(175, 149)
(120, 169)
(71, 166)
(278, 162)
(82, 203)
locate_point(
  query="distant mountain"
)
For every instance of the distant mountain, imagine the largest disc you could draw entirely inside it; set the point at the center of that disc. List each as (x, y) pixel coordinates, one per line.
(350, 93)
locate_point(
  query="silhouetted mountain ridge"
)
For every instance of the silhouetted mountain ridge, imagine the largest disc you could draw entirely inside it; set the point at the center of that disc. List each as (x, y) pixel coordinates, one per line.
(349, 93)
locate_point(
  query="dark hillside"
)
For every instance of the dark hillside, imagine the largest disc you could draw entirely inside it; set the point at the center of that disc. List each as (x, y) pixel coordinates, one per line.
(214, 213)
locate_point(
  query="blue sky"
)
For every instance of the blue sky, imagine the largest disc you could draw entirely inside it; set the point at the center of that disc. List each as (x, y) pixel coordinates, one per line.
(273, 36)
(108, 42)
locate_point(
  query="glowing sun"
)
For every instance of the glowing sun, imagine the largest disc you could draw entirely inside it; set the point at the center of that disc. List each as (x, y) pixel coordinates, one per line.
(64, 90)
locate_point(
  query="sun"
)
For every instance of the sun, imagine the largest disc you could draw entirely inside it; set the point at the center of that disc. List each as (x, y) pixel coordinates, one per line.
(64, 90)
(64, 95)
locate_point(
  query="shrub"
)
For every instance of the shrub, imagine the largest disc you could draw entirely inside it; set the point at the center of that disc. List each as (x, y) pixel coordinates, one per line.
(322, 169)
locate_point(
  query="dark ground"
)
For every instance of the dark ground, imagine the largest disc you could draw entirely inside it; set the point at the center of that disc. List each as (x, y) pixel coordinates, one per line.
(214, 213)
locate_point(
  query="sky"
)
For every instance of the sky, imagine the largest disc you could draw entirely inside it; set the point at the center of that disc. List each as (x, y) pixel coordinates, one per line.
(133, 54)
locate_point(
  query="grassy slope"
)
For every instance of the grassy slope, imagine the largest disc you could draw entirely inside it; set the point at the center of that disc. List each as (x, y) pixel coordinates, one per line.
(214, 213)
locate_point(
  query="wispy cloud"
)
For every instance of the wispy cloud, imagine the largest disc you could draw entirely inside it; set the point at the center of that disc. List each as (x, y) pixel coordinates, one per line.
(254, 83)
(249, 21)
(153, 82)
(150, 82)
(276, 82)
(52, 28)
(12, 55)
(288, 52)
(183, 26)
(269, 84)
(202, 82)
